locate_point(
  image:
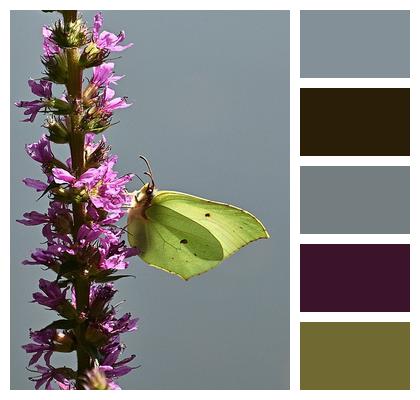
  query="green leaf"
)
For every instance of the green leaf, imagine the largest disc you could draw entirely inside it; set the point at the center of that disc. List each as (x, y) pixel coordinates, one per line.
(52, 185)
(111, 278)
(62, 324)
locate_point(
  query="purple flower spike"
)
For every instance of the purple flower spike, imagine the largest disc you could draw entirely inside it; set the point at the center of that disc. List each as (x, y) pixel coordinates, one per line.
(83, 244)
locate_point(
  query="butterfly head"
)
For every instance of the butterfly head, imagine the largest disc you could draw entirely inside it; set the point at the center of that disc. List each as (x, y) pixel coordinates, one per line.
(144, 196)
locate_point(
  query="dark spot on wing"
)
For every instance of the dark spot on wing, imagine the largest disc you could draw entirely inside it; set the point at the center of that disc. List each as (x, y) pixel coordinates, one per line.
(183, 241)
(241, 227)
(207, 215)
(195, 254)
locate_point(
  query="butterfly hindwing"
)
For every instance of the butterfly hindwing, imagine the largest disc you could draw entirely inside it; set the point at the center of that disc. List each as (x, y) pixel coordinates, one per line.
(175, 243)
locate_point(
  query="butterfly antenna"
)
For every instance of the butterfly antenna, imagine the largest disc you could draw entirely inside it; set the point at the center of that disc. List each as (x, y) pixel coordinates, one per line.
(151, 178)
(150, 172)
(140, 179)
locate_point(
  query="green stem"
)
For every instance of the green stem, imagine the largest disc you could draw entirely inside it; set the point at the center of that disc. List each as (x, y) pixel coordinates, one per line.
(76, 141)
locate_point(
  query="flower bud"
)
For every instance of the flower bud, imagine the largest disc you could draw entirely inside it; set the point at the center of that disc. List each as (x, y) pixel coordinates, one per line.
(67, 310)
(56, 68)
(58, 131)
(63, 342)
(95, 336)
(61, 194)
(74, 34)
(61, 107)
(92, 56)
(89, 93)
(95, 120)
(95, 379)
(99, 155)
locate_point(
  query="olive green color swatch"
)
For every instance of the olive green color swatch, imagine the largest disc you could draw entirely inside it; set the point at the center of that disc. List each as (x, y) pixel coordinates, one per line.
(354, 355)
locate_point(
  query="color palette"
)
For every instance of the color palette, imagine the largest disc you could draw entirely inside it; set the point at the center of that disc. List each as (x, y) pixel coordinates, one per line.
(355, 199)
(343, 123)
(355, 355)
(355, 44)
(355, 122)
(354, 278)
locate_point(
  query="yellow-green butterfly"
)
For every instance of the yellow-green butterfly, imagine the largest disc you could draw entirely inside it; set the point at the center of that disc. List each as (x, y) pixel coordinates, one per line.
(184, 234)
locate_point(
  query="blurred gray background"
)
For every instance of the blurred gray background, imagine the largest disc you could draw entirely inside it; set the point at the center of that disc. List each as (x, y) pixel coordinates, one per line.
(210, 93)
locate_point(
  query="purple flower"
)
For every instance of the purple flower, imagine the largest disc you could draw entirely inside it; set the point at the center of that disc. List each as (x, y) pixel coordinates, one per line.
(110, 364)
(49, 46)
(32, 108)
(49, 374)
(95, 231)
(53, 296)
(104, 75)
(104, 189)
(99, 297)
(114, 326)
(50, 257)
(59, 221)
(107, 40)
(43, 344)
(108, 104)
(41, 89)
(113, 255)
(40, 151)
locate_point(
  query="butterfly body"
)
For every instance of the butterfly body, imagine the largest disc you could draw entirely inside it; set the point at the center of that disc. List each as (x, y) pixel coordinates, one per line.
(187, 235)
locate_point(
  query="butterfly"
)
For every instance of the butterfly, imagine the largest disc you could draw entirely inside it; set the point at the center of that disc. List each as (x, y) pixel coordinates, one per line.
(184, 234)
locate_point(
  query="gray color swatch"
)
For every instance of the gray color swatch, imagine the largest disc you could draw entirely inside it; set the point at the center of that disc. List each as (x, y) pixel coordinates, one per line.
(355, 44)
(211, 112)
(355, 199)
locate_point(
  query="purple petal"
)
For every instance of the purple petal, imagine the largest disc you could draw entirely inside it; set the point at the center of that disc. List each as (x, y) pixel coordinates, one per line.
(33, 218)
(35, 184)
(98, 21)
(63, 176)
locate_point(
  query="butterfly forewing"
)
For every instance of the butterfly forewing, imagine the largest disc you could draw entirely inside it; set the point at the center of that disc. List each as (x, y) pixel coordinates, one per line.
(231, 226)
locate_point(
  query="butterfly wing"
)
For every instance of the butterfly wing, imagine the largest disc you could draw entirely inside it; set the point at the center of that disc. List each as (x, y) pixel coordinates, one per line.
(233, 227)
(173, 242)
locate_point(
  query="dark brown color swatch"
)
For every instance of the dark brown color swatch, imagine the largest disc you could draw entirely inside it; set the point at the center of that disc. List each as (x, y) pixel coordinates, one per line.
(355, 277)
(355, 355)
(355, 122)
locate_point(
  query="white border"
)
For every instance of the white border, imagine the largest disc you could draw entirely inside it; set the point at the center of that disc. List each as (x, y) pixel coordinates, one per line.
(295, 161)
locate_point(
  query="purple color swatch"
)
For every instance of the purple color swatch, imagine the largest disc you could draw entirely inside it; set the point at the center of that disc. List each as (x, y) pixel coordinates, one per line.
(355, 277)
